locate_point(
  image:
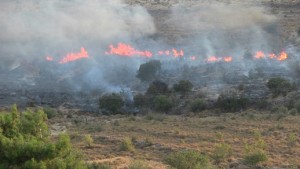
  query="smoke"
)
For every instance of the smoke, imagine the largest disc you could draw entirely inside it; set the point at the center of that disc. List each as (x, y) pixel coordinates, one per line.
(33, 29)
(225, 28)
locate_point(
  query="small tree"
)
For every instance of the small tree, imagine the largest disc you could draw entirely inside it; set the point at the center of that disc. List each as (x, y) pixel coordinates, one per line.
(198, 105)
(279, 86)
(111, 103)
(184, 86)
(148, 71)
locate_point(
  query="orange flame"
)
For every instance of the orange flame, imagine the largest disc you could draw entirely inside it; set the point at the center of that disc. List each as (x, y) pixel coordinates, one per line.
(49, 58)
(213, 59)
(74, 56)
(127, 50)
(259, 55)
(227, 59)
(282, 56)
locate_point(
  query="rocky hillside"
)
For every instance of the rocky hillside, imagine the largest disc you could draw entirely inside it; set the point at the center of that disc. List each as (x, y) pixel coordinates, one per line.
(286, 11)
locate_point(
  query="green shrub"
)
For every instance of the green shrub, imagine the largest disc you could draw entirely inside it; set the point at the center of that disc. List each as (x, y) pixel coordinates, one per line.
(293, 112)
(157, 87)
(155, 116)
(148, 71)
(137, 164)
(221, 152)
(279, 86)
(255, 157)
(88, 140)
(25, 143)
(51, 112)
(184, 86)
(198, 105)
(188, 159)
(162, 103)
(232, 103)
(112, 103)
(141, 100)
(127, 145)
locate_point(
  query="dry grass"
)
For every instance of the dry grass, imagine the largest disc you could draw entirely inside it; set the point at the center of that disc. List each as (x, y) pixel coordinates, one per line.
(154, 139)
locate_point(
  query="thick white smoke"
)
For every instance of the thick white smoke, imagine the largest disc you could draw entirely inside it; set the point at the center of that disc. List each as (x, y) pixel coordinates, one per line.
(32, 29)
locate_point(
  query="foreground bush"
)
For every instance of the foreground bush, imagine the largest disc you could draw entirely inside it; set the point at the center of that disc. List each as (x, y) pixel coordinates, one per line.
(25, 143)
(111, 104)
(255, 157)
(188, 159)
(221, 152)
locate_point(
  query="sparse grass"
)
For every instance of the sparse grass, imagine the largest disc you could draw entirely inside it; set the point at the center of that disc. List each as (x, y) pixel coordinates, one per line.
(138, 164)
(98, 166)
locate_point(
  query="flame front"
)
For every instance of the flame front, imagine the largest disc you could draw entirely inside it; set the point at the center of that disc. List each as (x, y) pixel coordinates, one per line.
(74, 56)
(128, 51)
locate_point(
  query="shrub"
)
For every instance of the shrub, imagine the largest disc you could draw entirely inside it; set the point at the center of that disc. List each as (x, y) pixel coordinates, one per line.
(25, 143)
(137, 164)
(88, 140)
(221, 152)
(148, 71)
(157, 87)
(293, 111)
(141, 100)
(162, 103)
(184, 86)
(279, 86)
(255, 157)
(232, 103)
(127, 145)
(188, 159)
(198, 105)
(111, 103)
(155, 116)
(51, 112)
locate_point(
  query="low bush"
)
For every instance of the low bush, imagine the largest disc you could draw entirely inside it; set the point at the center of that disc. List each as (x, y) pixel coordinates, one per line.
(221, 152)
(50, 112)
(232, 103)
(188, 159)
(279, 86)
(162, 103)
(255, 157)
(183, 86)
(148, 71)
(127, 145)
(141, 100)
(98, 166)
(157, 87)
(111, 104)
(88, 140)
(198, 105)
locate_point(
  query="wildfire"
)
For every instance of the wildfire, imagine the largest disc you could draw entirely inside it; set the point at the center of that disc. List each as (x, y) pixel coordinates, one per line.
(49, 58)
(122, 49)
(74, 56)
(127, 50)
(219, 59)
(281, 57)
